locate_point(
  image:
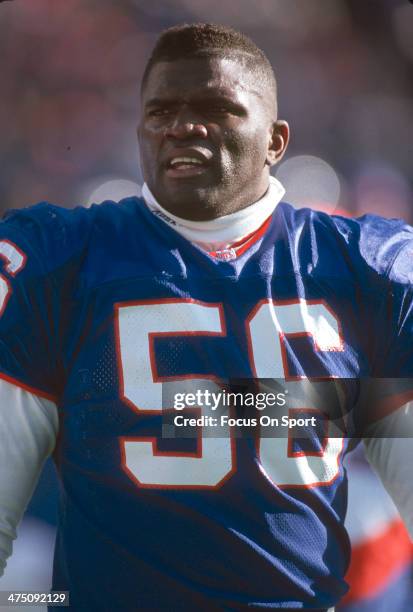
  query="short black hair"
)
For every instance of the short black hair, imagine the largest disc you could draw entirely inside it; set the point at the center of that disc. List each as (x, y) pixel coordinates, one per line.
(195, 40)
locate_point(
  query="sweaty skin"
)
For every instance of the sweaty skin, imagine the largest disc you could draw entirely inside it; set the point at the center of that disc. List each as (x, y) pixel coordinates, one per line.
(217, 111)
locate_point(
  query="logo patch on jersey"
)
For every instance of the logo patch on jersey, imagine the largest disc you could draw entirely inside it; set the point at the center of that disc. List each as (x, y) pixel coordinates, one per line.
(225, 254)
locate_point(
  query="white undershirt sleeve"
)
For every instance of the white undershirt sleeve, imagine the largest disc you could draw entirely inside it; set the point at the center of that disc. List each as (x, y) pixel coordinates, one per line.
(28, 429)
(392, 458)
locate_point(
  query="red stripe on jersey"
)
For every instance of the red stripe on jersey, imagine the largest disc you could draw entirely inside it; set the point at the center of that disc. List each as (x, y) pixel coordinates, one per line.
(33, 390)
(244, 244)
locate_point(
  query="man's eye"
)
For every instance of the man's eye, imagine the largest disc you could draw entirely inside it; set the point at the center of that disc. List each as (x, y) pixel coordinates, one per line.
(218, 109)
(160, 112)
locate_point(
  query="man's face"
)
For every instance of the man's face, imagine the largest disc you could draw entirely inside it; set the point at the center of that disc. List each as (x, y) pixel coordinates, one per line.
(207, 136)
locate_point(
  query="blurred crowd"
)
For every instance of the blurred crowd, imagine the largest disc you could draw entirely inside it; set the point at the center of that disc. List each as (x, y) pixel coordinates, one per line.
(69, 103)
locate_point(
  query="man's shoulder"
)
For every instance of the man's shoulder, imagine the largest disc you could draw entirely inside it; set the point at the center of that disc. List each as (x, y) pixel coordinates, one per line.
(368, 243)
(56, 233)
(378, 242)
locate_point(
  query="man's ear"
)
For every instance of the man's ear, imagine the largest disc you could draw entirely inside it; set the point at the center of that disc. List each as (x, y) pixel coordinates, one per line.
(279, 138)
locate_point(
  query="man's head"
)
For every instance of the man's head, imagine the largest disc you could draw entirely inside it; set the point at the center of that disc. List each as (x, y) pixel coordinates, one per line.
(209, 131)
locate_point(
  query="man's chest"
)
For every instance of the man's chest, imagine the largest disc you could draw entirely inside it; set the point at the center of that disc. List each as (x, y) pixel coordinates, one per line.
(143, 331)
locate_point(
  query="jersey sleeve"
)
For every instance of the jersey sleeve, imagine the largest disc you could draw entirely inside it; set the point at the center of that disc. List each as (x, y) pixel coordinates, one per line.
(28, 310)
(398, 360)
(389, 443)
(390, 385)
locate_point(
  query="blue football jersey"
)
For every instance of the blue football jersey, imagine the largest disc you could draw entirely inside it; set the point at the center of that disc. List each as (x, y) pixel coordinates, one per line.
(103, 308)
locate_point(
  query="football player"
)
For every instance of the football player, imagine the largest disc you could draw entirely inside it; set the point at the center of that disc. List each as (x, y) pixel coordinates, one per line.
(209, 278)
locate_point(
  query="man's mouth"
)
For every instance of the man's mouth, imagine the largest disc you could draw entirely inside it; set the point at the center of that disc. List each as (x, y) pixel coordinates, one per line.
(190, 163)
(185, 167)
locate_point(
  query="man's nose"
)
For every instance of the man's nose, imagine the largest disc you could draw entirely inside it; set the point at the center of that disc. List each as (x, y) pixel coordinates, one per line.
(186, 125)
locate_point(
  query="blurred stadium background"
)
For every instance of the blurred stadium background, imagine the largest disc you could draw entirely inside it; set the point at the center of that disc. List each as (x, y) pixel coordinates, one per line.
(69, 74)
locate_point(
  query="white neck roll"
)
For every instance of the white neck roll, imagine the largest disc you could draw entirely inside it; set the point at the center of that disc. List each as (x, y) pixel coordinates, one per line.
(220, 233)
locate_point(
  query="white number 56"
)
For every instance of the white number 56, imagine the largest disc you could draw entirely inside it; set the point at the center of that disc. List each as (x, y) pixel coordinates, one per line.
(138, 323)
